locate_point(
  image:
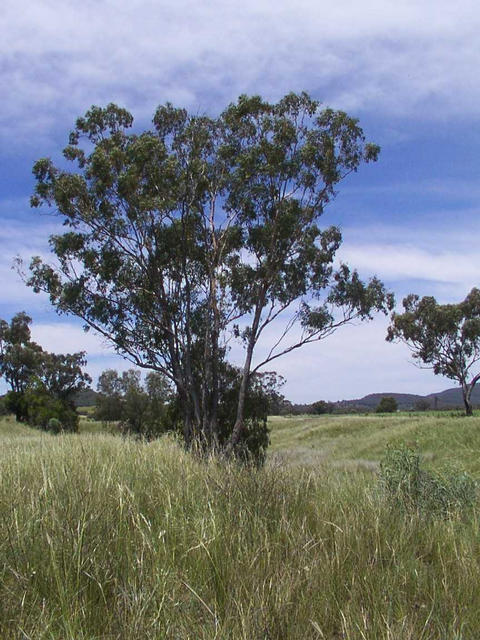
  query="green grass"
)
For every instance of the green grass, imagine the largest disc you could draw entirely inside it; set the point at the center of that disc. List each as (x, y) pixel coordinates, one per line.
(443, 440)
(105, 538)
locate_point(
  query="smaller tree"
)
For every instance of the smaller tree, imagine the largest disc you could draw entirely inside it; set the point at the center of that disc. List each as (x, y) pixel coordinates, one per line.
(108, 402)
(140, 409)
(387, 405)
(43, 385)
(445, 338)
(20, 360)
(321, 406)
(422, 404)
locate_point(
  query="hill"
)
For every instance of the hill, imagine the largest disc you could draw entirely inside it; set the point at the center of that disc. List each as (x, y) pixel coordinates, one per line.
(86, 398)
(450, 398)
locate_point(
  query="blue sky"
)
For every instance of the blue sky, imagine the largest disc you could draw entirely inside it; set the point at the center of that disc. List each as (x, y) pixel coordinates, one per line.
(407, 70)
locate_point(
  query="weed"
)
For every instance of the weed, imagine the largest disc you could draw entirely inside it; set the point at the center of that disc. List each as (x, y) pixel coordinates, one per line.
(408, 485)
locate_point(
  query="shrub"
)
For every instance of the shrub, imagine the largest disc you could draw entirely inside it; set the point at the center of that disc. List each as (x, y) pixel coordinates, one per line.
(41, 407)
(387, 405)
(422, 404)
(54, 425)
(3, 407)
(410, 487)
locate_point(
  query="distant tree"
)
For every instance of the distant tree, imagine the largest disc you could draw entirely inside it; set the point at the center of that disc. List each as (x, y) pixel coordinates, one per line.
(62, 375)
(204, 230)
(20, 360)
(387, 405)
(135, 404)
(3, 408)
(445, 338)
(422, 404)
(108, 402)
(41, 407)
(270, 383)
(43, 385)
(139, 408)
(320, 407)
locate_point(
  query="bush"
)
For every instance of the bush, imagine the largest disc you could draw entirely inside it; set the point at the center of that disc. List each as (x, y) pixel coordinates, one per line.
(410, 487)
(387, 405)
(54, 425)
(3, 407)
(321, 407)
(422, 404)
(41, 407)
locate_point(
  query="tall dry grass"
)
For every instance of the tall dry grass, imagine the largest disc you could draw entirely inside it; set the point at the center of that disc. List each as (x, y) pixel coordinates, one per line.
(104, 538)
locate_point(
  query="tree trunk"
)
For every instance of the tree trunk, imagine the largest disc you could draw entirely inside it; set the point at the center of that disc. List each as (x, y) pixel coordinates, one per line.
(242, 394)
(467, 394)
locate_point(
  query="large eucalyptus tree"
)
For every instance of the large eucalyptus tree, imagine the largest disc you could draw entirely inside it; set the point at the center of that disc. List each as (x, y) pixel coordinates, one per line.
(203, 230)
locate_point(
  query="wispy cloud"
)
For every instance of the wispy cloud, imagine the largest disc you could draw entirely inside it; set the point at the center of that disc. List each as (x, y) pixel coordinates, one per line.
(432, 260)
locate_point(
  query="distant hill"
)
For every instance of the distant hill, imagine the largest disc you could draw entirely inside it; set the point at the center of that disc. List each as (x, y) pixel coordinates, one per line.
(441, 400)
(86, 398)
(404, 400)
(453, 397)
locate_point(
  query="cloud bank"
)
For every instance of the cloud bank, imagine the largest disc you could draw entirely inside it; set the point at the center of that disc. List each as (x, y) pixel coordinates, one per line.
(57, 58)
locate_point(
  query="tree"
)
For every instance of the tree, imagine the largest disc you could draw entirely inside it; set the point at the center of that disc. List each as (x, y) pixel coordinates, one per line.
(43, 385)
(422, 404)
(20, 359)
(387, 405)
(203, 230)
(140, 409)
(445, 338)
(321, 406)
(108, 402)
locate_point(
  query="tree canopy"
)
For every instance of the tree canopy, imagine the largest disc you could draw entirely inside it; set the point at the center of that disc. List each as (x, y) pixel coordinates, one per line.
(387, 404)
(202, 231)
(138, 407)
(445, 338)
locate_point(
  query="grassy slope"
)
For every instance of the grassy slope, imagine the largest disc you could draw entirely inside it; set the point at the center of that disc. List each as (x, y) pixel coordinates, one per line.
(350, 441)
(106, 538)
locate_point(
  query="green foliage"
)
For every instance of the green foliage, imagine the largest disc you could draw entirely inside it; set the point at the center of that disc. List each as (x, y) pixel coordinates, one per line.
(20, 359)
(54, 425)
(387, 405)
(409, 486)
(140, 409)
(43, 385)
(422, 404)
(320, 407)
(443, 337)
(254, 439)
(41, 407)
(203, 230)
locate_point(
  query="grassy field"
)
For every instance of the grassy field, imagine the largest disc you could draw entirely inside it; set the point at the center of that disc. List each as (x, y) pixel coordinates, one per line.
(107, 538)
(360, 441)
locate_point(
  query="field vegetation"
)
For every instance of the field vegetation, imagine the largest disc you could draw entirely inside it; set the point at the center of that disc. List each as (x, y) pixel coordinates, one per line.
(105, 537)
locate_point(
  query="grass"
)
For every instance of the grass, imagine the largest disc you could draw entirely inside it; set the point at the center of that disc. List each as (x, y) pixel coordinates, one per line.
(107, 538)
(349, 441)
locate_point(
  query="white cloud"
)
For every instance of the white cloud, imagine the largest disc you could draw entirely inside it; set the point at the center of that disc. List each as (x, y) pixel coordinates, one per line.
(428, 260)
(59, 57)
(394, 262)
(353, 362)
(67, 337)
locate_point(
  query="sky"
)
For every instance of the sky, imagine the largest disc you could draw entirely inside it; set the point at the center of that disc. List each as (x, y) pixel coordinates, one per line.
(407, 69)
